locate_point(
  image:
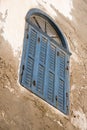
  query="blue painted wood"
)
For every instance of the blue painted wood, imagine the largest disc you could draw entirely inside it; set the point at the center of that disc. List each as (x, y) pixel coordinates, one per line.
(46, 79)
(51, 74)
(36, 64)
(41, 66)
(40, 79)
(29, 60)
(44, 70)
(61, 89)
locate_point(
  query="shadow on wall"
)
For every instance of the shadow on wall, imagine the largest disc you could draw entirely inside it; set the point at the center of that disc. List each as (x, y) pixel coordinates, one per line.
(8, 63)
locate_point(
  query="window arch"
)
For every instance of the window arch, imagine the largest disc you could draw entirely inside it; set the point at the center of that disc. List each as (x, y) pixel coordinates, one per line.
(44, 66)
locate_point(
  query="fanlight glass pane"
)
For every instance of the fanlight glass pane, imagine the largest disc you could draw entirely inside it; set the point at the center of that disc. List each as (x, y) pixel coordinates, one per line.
(46, 27)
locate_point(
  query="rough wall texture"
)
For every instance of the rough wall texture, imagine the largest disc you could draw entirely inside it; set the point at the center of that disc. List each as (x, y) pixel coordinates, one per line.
(21, 110)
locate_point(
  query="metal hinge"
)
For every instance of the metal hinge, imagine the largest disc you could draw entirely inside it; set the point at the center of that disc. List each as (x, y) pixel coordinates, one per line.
(58, 53)
(22, 73)
(38, 39)
(67, 68)
(67, 108)
(27, 36)
(22, 69)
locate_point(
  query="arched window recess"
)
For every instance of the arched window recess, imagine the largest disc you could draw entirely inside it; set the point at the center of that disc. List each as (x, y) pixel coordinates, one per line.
(44, 66)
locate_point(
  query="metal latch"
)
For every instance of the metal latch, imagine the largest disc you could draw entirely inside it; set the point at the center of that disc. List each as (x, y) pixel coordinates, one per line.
(34, 83)
(22, 70)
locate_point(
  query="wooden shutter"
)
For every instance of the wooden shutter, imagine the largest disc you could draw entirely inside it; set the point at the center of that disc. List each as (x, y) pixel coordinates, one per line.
(44, 70)
(42, 65)
(61, 89)
(30, 58)
(51, 74)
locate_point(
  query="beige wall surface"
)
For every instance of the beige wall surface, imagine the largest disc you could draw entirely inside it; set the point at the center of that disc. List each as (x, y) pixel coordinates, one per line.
(20, 109)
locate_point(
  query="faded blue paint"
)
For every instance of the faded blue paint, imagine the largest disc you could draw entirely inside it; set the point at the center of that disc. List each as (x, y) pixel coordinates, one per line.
(43, 69)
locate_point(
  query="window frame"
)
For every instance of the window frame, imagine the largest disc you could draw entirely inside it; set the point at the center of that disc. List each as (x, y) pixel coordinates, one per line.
(63, 49)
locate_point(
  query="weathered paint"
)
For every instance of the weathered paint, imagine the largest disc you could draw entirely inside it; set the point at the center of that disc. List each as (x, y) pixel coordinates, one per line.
(44, 66)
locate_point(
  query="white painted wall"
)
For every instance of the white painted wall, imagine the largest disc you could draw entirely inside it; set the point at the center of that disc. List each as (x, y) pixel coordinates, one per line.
(16, 11)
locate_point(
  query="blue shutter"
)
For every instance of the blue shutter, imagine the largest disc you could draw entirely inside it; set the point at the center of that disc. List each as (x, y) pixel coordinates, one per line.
(44, 70)
(27, 76)
(50, 91)
(52, 58)
(61, 89)
(43, 50)
(42, 65)
(29, 60)
(40, 79)
(32, 43)
(51, 74)
(61, 94)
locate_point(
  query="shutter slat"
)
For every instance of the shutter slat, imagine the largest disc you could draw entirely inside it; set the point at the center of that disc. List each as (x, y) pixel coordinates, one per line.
(50, 91)
(28, 72)
(32, 43)
(43, 50)
(40, 79)
(52, 57)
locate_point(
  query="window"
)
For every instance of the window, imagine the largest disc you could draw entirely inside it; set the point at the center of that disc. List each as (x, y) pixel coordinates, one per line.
(45, 60)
